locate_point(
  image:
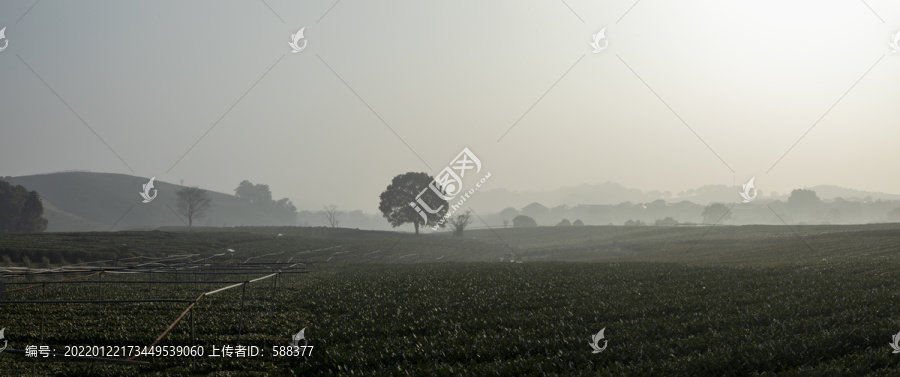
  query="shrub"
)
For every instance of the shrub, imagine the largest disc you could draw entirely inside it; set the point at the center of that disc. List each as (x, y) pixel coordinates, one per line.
(668, 221)
(522, 221)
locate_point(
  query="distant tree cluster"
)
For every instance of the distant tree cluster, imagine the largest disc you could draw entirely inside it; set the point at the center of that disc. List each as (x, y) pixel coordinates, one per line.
(400, 205)
(668, 221)
(522, 221)
(254, 194)
(260, 196)
(803, 206)
(20, 210)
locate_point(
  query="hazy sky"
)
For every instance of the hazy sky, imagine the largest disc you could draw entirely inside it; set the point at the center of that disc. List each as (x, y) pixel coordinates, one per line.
(748, 79)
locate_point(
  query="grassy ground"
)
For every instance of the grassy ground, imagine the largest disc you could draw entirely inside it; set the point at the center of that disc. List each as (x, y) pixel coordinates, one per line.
(674, 301)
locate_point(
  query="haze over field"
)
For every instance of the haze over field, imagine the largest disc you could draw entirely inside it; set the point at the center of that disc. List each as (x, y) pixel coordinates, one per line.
(615, 188)
(687, 94)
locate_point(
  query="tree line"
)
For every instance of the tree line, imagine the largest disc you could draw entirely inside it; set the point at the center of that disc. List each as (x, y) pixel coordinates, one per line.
(400, 204)
(194, 203)
(20, 210)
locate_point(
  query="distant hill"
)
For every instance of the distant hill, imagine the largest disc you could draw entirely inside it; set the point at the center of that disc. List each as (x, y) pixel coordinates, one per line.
(610, 193)
(84, 201)
(831, 192)
(607, 193)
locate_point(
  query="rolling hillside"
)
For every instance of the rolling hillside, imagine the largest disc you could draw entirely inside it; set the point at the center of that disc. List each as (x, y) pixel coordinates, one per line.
(84, 201)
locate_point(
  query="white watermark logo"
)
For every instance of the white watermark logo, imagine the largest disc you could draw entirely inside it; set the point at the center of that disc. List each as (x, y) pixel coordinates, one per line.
(296, 38)
(600, 36)
(3, 38)
(595, 341)
(746, 193)
(462, 200)
(895, 39)
(421, 202)
(448, 184)
(895, 345)
(146, 194)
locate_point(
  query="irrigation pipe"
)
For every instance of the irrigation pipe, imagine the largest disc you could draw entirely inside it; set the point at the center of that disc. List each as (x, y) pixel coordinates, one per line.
(42, 284)
(94, 301)
(140, 282)
(191, 306)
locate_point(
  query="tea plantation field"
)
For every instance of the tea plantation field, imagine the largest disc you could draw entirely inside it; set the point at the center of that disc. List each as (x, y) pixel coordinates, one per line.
(727, 301)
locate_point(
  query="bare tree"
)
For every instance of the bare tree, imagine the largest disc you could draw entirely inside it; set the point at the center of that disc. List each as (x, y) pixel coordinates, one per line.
(505, 223)
(460, 223)
(332, 215)
(193, 203)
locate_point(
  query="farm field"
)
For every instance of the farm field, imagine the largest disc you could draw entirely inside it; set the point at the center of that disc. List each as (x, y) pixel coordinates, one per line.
(818, 300)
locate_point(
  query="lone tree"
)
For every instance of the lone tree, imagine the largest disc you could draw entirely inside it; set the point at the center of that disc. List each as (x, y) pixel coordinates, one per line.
(332, 215)
(193, 203)
(716, 213)
(523, 221)
(20, 210)
(460, 223)
(396, 199)
(564, 222)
